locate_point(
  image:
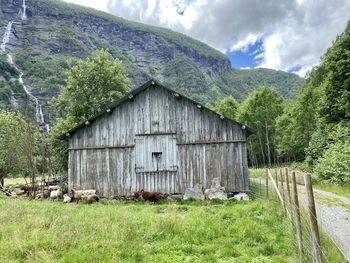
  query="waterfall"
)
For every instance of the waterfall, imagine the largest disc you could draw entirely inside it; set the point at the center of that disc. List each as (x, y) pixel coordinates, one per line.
(9, 59)
(6, 37)
(24, 15)
(38, 107)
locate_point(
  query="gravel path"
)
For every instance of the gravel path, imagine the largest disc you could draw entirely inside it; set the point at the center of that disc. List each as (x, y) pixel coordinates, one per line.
(333, 214)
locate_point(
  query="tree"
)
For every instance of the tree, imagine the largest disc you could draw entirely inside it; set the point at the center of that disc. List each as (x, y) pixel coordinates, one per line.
(19, 139)
(335, 100)
(259, 111)
(294, 128)
(228, 107)
(92, 85)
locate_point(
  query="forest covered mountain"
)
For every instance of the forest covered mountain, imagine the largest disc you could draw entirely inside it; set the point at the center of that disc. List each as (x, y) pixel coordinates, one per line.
(45, 40)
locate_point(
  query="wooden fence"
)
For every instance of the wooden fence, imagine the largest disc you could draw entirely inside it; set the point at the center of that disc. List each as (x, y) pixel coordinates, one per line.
(295, 194)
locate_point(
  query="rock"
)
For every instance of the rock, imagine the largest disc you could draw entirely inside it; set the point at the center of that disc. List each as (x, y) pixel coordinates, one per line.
(241, 197)
(194, 193)
(216, 191)
(215, 194)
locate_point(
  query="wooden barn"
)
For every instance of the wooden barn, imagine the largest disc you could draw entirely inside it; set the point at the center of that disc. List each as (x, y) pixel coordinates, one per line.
(157, 140)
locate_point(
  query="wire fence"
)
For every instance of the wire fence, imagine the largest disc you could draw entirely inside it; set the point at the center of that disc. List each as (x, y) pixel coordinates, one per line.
(293, 193)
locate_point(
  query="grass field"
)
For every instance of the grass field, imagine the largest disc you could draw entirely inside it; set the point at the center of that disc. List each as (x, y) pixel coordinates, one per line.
(45, 231)
(12, 182)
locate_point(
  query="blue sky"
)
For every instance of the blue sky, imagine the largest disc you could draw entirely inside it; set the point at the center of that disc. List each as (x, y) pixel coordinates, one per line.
(246, 58)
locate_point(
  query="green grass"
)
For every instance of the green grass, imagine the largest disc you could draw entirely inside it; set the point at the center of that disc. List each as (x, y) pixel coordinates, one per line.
(257, 173)
(44, 231)
(335, 189)
(15, 182)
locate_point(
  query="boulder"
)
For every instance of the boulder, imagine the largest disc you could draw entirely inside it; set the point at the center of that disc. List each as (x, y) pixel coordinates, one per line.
(216, 191)
(215, 194)
(241, 197)
(215, 184)
(194, 193)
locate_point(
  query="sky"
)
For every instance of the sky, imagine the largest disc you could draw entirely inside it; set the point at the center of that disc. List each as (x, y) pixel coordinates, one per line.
(288, 35)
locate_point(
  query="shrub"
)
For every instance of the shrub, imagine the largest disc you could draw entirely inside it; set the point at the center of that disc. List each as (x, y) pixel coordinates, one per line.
(334, 165)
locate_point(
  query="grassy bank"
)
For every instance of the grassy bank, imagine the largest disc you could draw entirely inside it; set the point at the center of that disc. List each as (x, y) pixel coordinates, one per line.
(335, 189)
(44, 231)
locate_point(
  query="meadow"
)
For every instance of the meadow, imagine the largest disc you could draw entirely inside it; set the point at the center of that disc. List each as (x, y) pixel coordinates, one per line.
(169, 231)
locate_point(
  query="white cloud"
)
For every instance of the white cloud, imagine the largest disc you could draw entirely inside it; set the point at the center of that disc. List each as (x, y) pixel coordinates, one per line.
(244, 44)
(293, 32)
(305, 35)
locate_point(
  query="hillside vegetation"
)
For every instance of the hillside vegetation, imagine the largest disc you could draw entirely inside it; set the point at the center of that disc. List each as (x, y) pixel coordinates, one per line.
(66, 33)
(240, 82)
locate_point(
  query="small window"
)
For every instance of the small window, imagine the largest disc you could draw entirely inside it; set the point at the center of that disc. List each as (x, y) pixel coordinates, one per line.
(155, 153)
(157, 160)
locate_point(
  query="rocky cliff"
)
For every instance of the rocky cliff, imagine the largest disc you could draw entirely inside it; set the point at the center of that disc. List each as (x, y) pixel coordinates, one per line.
(46, 33)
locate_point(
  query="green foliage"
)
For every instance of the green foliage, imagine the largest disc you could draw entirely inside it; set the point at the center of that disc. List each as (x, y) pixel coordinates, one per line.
(8, 83)
(228, 107)
(18, 144)
(335, 99)
(260, 111)
(47, 71)
(66, 35)
(298, 122)
(180, 74)
(332, 82)
(317, 123)
(6, 67)
(240, 82)
(128, 59)
(92, 85)
(141, 232)
(334, 165)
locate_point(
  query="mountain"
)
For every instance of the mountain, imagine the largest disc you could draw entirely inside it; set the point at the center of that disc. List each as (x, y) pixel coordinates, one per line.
(43, 37)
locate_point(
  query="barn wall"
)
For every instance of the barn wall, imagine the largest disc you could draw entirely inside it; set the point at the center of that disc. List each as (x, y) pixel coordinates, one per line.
(102, 155)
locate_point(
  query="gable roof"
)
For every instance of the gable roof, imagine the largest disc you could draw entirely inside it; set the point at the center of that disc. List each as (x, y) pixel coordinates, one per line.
(130, 95)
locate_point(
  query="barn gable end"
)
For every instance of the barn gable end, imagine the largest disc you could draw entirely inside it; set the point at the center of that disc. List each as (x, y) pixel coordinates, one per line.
(157, 140)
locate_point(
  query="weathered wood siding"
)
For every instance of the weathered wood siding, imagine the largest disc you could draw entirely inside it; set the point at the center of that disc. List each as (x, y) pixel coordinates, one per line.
(104, 156)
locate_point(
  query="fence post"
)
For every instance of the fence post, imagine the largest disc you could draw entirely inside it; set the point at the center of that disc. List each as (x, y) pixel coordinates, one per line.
(317, 252)
(282, 190)
(297, 217)
(276, 175)
(288, 193)
(267, 184)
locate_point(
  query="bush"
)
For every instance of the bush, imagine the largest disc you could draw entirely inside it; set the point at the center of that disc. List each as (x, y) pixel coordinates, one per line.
(334, 165)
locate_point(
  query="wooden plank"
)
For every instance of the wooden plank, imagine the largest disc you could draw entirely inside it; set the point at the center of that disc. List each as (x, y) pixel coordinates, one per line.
(102, 147)
(210, 142)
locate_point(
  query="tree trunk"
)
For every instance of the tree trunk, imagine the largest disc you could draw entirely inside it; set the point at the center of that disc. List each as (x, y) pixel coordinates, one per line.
(268, 144)
(262, 150)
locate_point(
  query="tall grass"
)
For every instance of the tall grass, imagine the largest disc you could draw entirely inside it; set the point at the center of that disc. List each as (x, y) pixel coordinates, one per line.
(44, 231)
